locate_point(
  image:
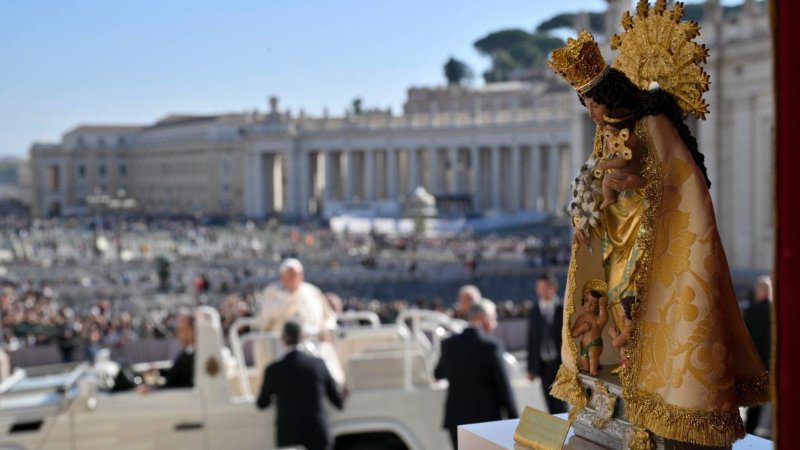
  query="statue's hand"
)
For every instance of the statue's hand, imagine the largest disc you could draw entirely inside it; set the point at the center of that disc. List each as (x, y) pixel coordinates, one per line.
(613, 332)
(621, 181)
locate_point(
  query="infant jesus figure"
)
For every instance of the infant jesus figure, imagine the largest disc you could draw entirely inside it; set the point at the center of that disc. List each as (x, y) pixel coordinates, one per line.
(622, 150)
(589, 325)
(620, 338)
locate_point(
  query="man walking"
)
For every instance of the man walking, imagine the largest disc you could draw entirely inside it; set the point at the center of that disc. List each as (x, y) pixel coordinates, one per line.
(298, 382)
(473, 364)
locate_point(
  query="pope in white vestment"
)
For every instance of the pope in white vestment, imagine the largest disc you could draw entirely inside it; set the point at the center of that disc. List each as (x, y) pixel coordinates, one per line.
(292, 298)
(306, 304)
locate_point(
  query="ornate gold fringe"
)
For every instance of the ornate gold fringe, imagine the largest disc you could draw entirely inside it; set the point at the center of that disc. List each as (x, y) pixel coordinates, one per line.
(568, 387)
(710, 428)
(754, 391)
(641, 440)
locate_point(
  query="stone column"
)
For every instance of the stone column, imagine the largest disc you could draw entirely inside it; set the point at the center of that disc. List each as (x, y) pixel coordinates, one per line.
(496, 176)
(553, 176)
(253, 185)
(536, 177)
(434, 170)
(329, 176)
(475, 166)
(303, 183)
(370, 170)
(413, 169)
(391, 173)
(288, 166)
(516, 167)
(267, 198)
(455, 187)
(349, 175)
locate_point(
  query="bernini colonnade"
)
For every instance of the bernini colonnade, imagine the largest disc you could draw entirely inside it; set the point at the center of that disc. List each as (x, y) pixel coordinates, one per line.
(523, 160)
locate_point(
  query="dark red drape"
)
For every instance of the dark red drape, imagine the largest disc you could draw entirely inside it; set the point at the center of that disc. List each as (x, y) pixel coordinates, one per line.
(786, 20)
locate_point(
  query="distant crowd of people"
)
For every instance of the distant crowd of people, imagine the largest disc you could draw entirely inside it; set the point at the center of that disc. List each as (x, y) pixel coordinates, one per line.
(31, 317)
(36, 316)
(167, 256)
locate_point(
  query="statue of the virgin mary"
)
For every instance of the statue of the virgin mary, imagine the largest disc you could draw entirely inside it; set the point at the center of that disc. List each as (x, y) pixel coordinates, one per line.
(690, 362)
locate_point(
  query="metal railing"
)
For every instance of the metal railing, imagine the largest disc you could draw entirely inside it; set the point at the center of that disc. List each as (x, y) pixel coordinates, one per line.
(354, 318)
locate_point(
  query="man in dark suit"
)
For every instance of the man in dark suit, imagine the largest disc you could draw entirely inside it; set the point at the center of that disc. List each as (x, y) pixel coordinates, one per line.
(758, 318)
(298, 382)
(544, 338)
(181, 374)
(473, 364)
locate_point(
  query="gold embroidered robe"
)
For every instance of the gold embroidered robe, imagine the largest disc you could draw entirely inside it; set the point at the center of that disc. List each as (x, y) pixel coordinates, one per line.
(692, 362)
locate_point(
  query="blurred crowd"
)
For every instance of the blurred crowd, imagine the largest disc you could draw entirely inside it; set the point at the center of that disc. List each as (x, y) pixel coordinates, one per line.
(32, 317)
(72, 282)
(35, 317)
(107, 254)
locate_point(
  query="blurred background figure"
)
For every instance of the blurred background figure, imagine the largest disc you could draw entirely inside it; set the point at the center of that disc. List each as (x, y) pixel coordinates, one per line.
(544, 338)
(299, 382)
(758, 318)
(468, 295)
(181, 374)
(473, 364)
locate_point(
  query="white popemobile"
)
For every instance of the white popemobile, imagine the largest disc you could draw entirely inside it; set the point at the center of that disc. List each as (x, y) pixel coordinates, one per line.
(393, 403)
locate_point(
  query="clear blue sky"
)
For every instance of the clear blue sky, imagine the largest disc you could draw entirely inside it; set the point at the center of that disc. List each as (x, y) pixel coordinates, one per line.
(99, 61)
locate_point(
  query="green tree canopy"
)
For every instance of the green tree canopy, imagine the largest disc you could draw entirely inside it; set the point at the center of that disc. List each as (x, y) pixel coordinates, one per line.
(456, 72)
(515, 49)
(356, 106)
(597, 23)
(501, 40)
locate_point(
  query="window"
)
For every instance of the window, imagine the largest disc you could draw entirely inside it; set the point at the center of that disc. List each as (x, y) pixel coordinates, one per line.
(123, 170)
(101, 170)
(81, 171)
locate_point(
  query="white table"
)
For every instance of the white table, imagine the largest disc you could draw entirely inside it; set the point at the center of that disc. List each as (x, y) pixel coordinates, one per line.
(500, 436)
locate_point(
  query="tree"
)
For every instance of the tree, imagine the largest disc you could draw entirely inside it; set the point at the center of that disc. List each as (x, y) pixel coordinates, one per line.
(456, 72)
(515, 49)
(357, 106)
(501, 40)
(597, 22)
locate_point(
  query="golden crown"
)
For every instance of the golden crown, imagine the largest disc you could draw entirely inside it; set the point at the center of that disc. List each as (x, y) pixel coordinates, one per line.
(595, 285)
(580, 62)
(658, 46)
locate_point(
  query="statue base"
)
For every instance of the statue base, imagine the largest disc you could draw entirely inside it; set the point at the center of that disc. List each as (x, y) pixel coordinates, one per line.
(604, 420)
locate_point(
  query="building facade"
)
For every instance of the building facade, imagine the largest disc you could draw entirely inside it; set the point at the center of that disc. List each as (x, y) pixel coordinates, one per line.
(506, 147)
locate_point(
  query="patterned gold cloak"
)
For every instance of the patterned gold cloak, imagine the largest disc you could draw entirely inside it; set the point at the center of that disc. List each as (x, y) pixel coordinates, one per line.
(692, 362)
